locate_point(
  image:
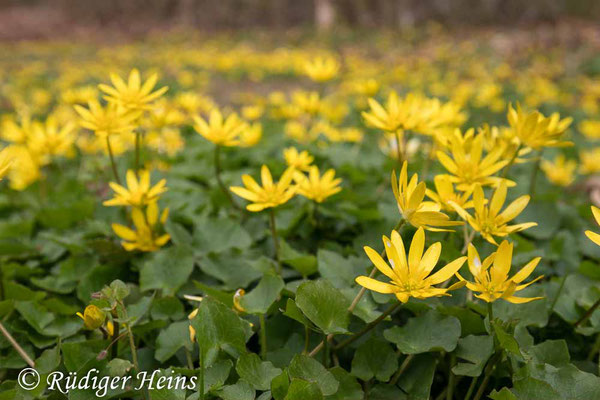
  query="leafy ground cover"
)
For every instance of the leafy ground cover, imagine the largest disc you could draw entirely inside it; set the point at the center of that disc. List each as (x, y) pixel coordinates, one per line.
(215, 209)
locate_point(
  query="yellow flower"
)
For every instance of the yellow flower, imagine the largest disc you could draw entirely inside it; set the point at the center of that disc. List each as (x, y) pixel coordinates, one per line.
(222, 132)
(409, 197)
(134, 94)
(108, 120)
(92, 317)
(321, 69)
(316, 187)
(561, 172)
(167, 141)
(590, 161)
(593, 236)
(307, 102)
(237, 296)
(6, 161)
(444, 194)
(410, 276)
(48, 140)
(252, 113)
(389, 118)
(16, 133)
(468, 168)
(145, 237)
(137, 193)
(251, 135)
(536, 131)
(25, 168)
(491, 275)
(487, 218)
(590, 128)
(298, 160)
(268, 195)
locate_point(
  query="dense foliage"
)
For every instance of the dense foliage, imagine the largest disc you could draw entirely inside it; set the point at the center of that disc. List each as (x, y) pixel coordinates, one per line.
(229, 227)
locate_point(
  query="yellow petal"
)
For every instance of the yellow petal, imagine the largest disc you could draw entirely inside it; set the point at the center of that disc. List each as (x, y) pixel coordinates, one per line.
(375, 285)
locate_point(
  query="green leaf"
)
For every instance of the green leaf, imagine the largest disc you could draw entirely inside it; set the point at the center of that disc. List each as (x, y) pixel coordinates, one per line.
(167, 308)
(553, 352)
(349, 388)
(292, 311)
(280, 385)
(258, 373)
(386, 392)
(304, 263)
(340, 271)
(219, 328)
(324, 305)
(503, 394)
(216, 375)
(239, 391)
(48, 361)
(430, 331)
(303, 390)
(418, 377)
(309, 369)
(476, 350)
(36, 315)
(215, 235)
(374, 358)
(118, 367)
(77, 354)
(539, 212)
(172, 339)
(259, 299)
(167, 269)
(506, 340)
(231, 268)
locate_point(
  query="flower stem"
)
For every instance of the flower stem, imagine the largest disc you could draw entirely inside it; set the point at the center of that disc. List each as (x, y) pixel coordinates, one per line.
(368, 327)
(188, 357)
(115, 337)
(451, 378)
(263, 337)
(588, 313)
(357, 298)
(558, 293)
(218, 176)
(275, 238)
(201, 362)
(133, 349)
(402, 368)
(488, 374)
(138, 144)
(16, 346)
(490, 311)
(534, 173)
(112, 160)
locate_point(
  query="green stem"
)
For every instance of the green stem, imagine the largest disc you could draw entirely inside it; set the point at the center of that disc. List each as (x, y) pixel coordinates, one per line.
(306, 338)
(112, 160)
(490, 311)
(188, 357)
(399, 150)
(1, 281)
(275, 238)
(115, 337)
(471, 388)
(402, 368)
(201, 366)
(560, 289)
(16, 346)
(588, 313)
(263, 336)
(368, 327)
(218, 176)
(534, 174)
(137, 152)
(133, 349)
(511, 162)
(488, 374)
(326, 350)
(451, 378)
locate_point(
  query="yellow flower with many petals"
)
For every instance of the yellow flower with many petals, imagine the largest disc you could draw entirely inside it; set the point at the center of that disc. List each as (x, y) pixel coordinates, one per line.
(468, 167)
(145, 236)
(93, 317)
(48, 139)
(593, 236)
(25, 167)
(138, 192)
(561, 172)
(409, 197)
(491, 276)
(321, 69)
(317, 187)
(590, 128)
(300, 160)
(536, 131)
(445, 194)
(590, 161)
(270, 194)
(251, 135)
(487, 218)
(134, 94)
(410, 276)
(108, 120)
(221, 131)
(16, 132)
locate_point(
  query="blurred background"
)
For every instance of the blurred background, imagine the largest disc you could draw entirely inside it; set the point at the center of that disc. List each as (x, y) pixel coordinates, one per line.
(34, 19)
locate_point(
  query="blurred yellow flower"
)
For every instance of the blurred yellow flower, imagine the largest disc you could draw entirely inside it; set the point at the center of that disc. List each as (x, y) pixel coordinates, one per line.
(134, 94)
(317, 187)
(409, 197)
(590, 128)
(593, 236)
(536, 131)
(487, 218)
(47, 139)
(252, 113)
(6, 161)
(137, 193)
(93, 317)
(220, 131)
(16, 132)
(297, 160)
(491, 276)
(590, 161)
(251, 135)
(561, 171)
(321, 69)
(145, 237)
(268, 195)
(108, 120)
(410, 276)
(25, 168)
(445, 194)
